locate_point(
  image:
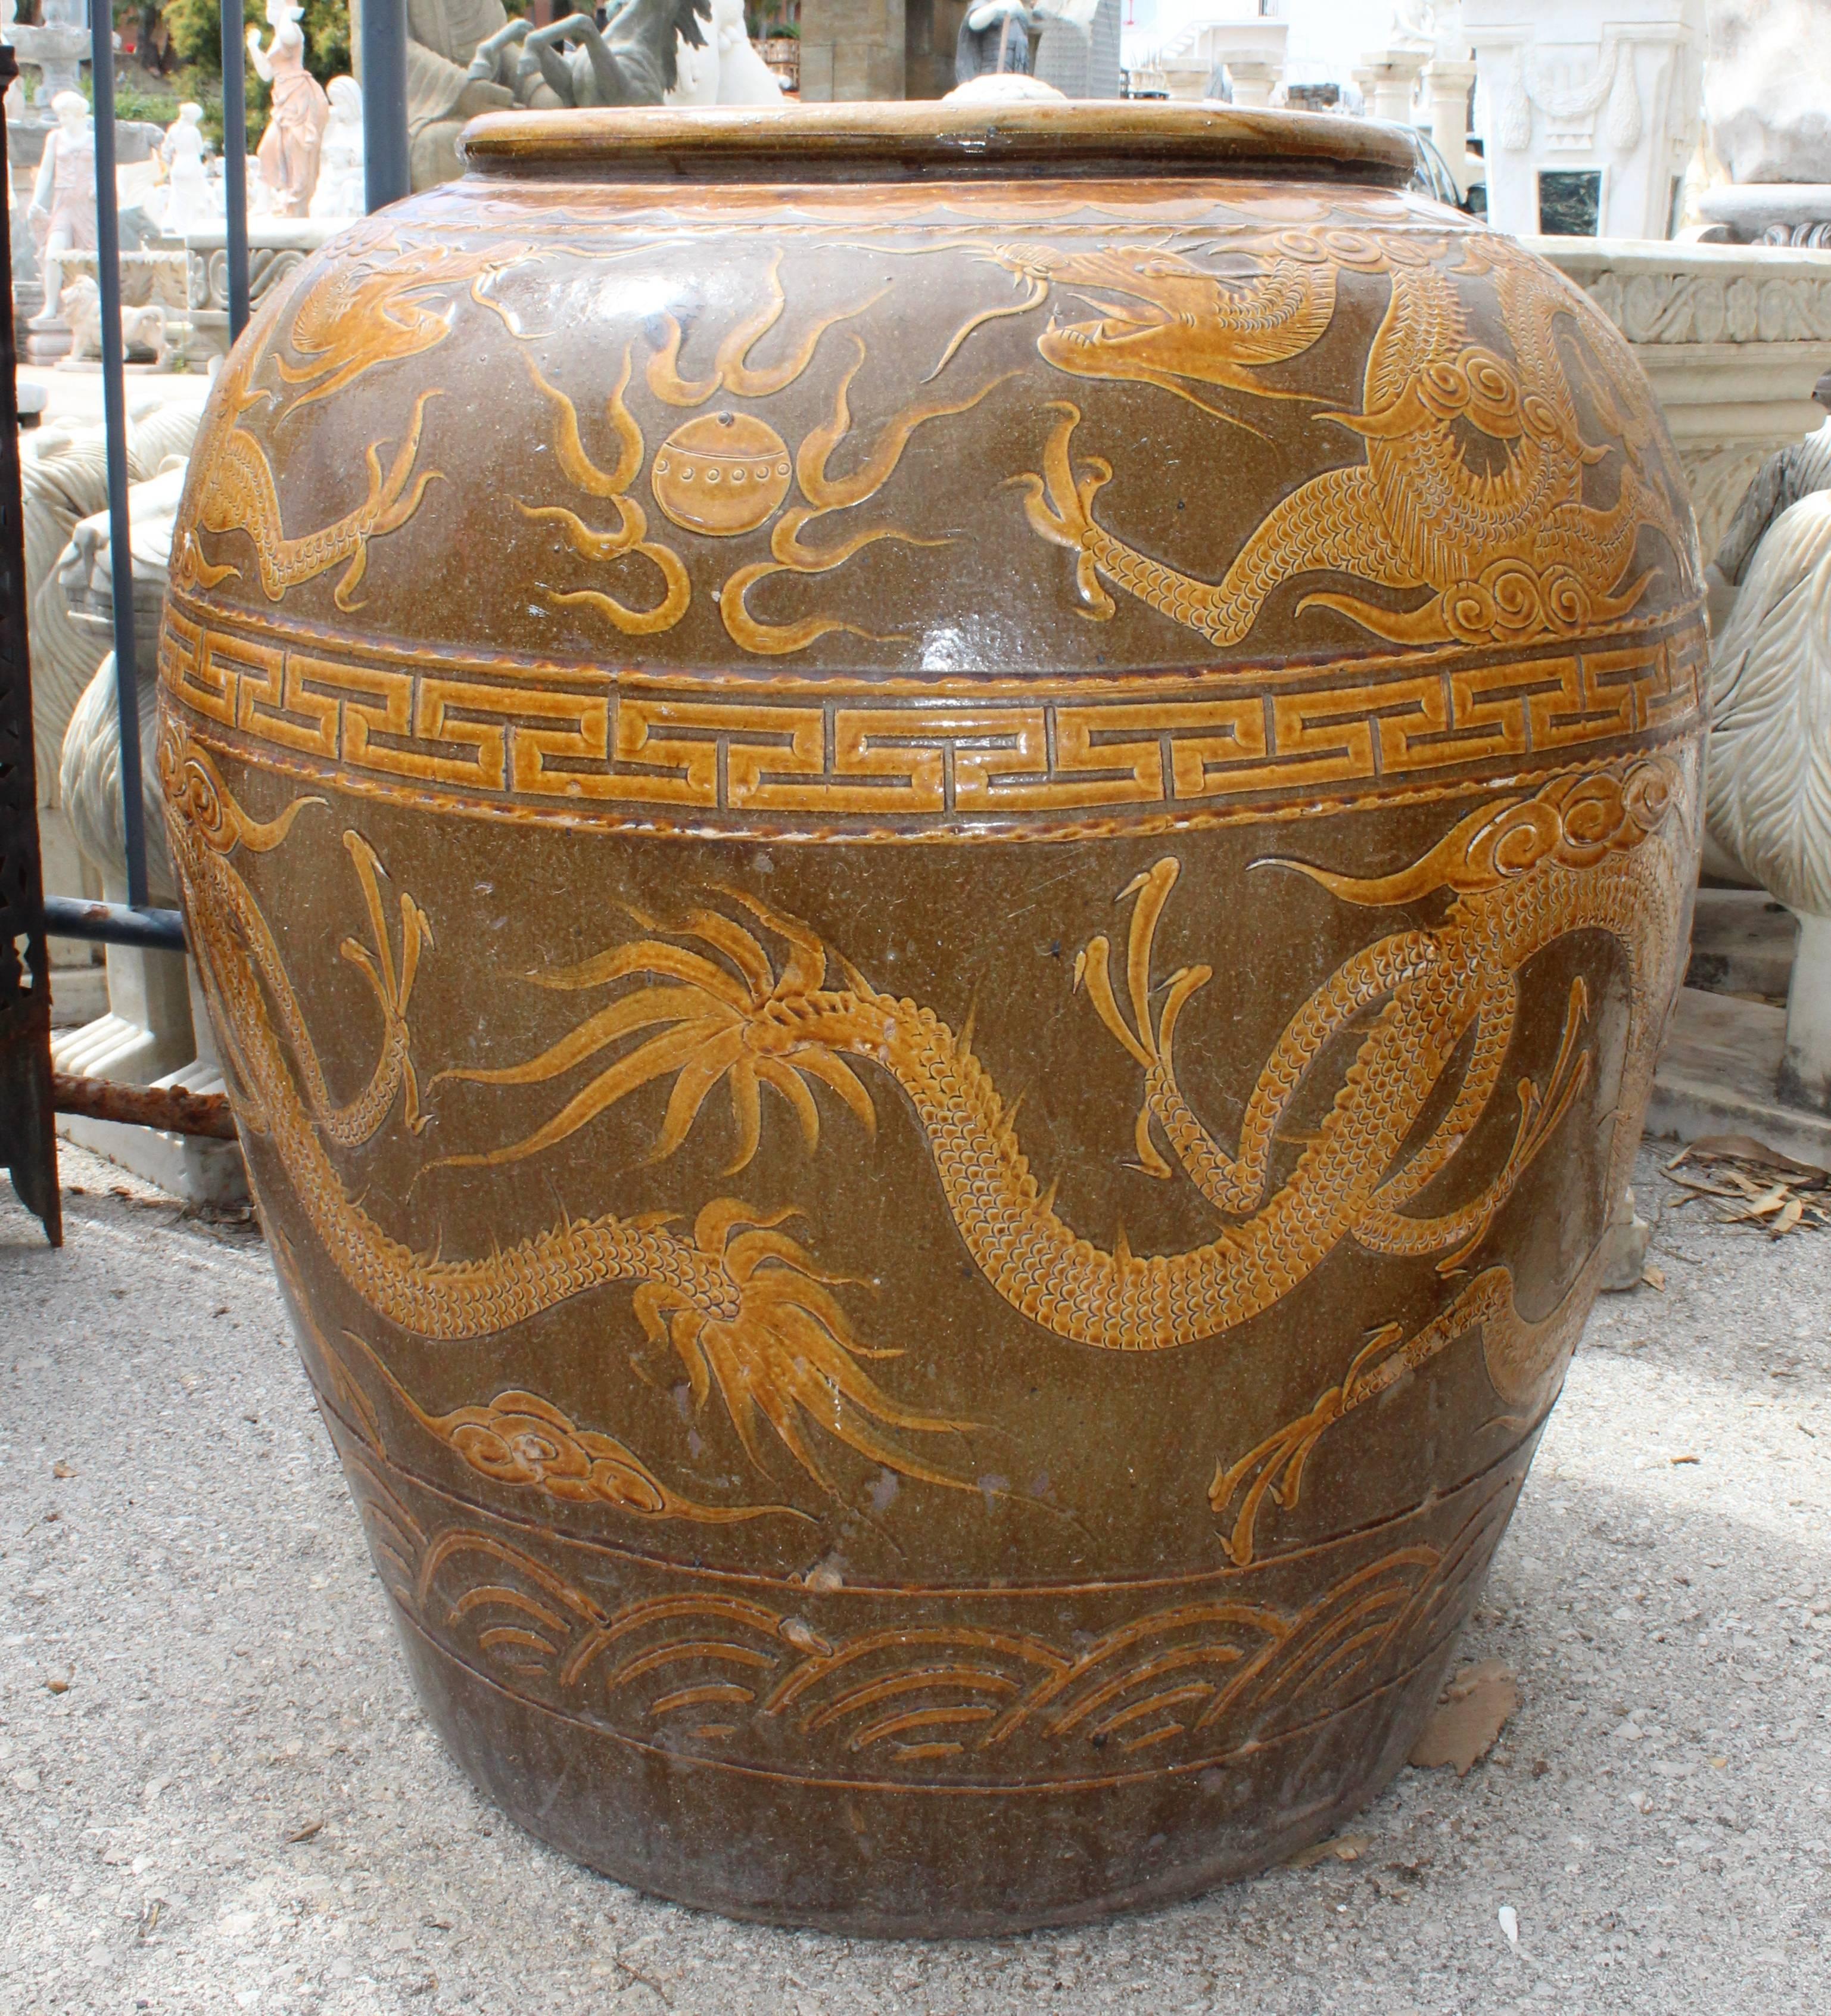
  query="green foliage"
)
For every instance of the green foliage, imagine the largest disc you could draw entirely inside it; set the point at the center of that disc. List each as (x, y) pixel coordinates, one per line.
(195, 28)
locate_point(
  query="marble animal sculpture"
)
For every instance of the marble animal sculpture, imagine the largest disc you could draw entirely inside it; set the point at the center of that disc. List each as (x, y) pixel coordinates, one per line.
(631, 60)
(446, 85)
(1768, 781)
(724, 69)
(142, 329)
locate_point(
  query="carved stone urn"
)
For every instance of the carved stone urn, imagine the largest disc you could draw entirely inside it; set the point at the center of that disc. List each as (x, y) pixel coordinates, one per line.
(939, 853)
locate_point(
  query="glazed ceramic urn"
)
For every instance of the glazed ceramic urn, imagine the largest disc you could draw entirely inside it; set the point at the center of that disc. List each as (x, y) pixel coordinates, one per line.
(939, 853)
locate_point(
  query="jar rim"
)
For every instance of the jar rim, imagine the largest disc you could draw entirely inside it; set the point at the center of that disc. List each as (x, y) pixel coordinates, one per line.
(936, 140)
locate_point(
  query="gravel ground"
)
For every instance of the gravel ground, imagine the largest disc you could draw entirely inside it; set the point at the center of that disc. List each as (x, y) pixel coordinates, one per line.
(216, 1792)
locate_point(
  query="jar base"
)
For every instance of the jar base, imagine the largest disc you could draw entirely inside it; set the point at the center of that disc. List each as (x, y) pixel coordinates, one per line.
(849, 1858)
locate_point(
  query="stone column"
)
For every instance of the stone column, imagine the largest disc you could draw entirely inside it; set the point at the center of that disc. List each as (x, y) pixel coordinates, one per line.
(851, 49)
(1447, 85)
(1391, 78)
(1254, 79)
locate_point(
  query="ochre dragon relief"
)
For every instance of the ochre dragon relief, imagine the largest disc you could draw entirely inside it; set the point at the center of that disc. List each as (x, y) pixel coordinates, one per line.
(371, 308)
(1202, 1673)
(744, 1305)
(1472, 484)
(518, 1439)
(742, 1302)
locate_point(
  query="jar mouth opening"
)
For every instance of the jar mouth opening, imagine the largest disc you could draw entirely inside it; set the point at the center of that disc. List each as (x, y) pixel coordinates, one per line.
(937, 140)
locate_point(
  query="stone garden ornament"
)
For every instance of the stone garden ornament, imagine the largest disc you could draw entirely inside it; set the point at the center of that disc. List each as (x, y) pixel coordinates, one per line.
(941, 893)
(631, 60)
(289, 149)
(63, 211)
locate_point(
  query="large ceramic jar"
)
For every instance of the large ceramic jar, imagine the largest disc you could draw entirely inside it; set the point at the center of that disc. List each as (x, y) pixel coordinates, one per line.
(939, 853)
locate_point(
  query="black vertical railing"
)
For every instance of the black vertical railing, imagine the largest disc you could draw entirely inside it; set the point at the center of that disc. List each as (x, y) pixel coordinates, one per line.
(120, 557)
(28, 1139)
(235, 161)
(387, 171)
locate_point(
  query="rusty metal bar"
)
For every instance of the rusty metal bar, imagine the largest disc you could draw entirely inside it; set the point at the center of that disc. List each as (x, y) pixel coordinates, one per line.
(169, 1107)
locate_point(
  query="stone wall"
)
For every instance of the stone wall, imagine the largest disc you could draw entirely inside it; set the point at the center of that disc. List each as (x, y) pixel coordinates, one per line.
(851, 49)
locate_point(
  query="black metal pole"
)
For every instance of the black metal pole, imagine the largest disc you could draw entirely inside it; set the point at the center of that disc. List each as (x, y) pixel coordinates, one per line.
(120, 558)
(387, 170)
(235, 161)
(28, 1137)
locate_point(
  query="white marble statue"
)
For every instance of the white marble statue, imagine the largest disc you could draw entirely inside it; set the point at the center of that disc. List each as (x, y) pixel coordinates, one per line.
(1767, 89)
(63, 211)
(726, 69)
(192, 201)
(299, 112)
(1767, 790)
(340, 190)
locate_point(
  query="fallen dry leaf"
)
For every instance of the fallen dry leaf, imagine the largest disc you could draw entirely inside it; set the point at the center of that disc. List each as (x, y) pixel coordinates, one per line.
(1654, 1277)
(62, 1470)
(1685, 1459)
(1745, 1148)
(1791, 1212)
(1339, 1848)
(304, 1832)
(1472, 1712)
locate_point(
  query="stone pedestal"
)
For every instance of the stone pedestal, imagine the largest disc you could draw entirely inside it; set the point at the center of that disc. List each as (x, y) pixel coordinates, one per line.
(1733, 337)
(851, 49)
(275, 246)
(1589, 119)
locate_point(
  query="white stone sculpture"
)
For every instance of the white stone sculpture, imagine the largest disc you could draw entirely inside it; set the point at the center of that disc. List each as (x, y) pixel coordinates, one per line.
(340, 191)
(1589, 120)
(193, 202)
(64, 479)
(1768, 793)
(142, 329)
(299, 112)
(1766, 100)
(155, 1031)
(727, 69)
(62, 212)
(1767, 89)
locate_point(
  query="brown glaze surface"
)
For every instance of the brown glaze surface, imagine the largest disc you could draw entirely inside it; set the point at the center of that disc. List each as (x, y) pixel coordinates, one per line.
(937, 1115)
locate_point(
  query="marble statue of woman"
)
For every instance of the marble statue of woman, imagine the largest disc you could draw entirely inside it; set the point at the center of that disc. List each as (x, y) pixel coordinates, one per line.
(295, 127)
(191, 203)
(62, 212)
(341, 191)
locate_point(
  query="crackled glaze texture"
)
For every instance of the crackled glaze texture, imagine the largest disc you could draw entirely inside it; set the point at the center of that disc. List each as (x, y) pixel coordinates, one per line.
(939, 886)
